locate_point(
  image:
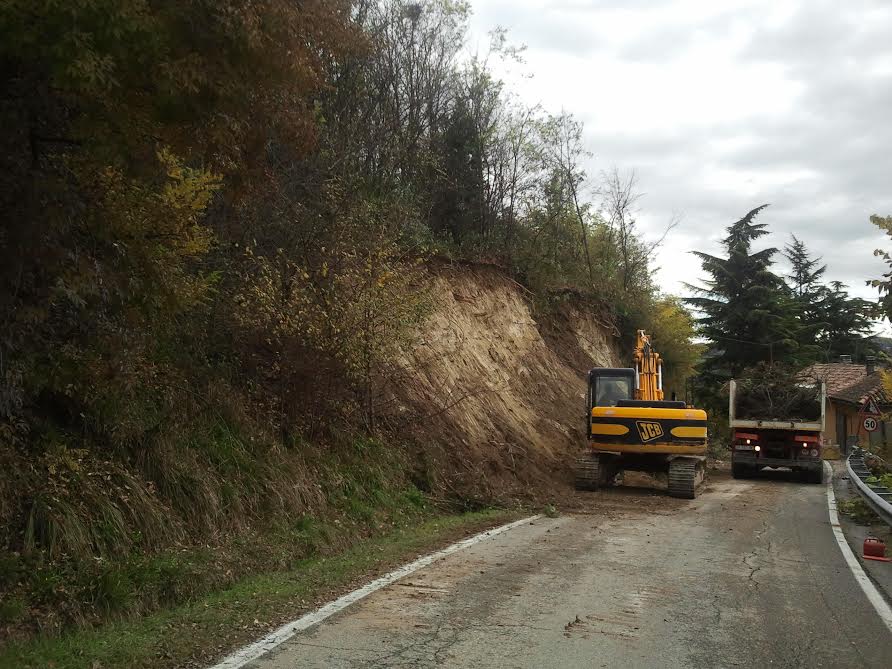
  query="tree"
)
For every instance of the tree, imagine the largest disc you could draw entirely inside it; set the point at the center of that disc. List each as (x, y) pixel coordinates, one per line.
(673, 330)
(845, 324)
(884, 285)
(743, 306)
(807, 296)
(805, 274)
(458, 203)
(830, 321)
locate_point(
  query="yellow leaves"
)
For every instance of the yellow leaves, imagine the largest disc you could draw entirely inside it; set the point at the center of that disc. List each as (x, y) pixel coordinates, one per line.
(61, 460)
(385, 278)
(355, 304)
(152, 228)
(188, 190)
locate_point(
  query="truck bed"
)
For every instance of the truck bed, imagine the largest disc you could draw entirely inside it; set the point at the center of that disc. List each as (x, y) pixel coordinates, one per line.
(778, 422)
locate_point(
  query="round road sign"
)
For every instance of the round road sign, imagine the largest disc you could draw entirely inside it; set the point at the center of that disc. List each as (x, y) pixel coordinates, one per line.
(870, 424)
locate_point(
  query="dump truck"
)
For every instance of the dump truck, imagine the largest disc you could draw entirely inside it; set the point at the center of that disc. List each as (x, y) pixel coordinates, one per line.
(777, 423)
(631, 426)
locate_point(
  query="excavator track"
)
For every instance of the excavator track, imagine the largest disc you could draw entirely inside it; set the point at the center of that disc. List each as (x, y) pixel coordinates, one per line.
(590, 472)
(685, 474)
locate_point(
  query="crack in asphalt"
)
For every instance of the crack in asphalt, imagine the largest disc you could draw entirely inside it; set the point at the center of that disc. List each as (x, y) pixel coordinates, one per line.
(753, 569)
(754, 554)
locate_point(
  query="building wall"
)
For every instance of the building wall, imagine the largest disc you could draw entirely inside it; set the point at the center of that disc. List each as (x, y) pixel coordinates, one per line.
(879, 441)
(832, 432)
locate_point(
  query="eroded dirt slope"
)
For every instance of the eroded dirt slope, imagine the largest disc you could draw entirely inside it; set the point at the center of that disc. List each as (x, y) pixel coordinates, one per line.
(497, 387)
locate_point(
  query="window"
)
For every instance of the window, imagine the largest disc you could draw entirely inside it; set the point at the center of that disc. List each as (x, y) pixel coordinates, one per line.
(612, 388)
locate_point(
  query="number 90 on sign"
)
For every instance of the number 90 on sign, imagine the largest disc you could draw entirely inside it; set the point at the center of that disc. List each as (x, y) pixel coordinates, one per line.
(870, 424)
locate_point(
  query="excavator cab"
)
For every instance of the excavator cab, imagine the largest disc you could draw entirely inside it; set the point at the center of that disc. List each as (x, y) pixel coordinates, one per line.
(607, 386)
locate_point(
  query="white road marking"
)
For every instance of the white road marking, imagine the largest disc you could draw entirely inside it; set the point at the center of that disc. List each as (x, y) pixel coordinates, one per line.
(873, 595)
(250, 653)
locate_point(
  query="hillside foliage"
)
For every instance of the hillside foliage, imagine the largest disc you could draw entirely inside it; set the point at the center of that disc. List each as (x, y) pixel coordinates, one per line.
(216, 217)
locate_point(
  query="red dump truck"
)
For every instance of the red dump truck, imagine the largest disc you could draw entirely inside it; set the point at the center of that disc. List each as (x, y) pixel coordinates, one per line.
(769, 429)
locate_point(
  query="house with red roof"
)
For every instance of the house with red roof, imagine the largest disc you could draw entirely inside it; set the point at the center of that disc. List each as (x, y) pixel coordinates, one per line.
(852, 388)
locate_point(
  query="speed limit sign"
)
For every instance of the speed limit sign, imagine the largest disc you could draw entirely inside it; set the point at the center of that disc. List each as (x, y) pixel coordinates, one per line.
(870, 424)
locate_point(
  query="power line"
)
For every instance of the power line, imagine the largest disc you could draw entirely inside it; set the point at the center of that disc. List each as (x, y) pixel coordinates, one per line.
(770, 345)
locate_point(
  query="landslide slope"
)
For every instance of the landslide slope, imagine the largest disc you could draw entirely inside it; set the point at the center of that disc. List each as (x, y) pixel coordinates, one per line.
(497, 388)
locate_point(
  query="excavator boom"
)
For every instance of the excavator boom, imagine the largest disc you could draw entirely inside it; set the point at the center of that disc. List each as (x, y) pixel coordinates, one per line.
(648, 370)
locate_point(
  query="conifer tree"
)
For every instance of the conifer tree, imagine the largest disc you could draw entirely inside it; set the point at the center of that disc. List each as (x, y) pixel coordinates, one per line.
(805, 274)
(744, 307)
(831, 322)
(807, 295)
(845, 324)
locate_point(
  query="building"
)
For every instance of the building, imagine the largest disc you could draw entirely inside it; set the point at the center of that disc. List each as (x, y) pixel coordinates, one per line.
(849, 388)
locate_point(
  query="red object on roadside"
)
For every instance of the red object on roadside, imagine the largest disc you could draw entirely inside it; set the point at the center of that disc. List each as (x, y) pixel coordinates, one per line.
(874, 548)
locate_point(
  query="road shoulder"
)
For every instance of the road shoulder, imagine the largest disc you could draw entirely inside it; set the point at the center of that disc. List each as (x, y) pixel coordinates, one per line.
(879, 572)
(204, 630)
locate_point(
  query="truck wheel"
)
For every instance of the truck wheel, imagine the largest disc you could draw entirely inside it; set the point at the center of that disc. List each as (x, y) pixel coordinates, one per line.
(740, 471)
(815, 475)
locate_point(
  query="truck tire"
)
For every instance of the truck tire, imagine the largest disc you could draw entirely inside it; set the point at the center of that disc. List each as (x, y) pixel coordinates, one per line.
(814, 475)
(740, 471)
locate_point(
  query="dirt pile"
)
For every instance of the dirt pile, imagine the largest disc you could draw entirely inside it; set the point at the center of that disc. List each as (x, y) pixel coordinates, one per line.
(496, 387)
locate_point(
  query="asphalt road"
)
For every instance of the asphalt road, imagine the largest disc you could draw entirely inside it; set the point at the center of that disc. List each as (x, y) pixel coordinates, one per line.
(747, 575)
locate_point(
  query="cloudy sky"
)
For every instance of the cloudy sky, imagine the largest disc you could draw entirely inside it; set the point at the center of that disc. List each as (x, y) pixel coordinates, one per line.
(720, 106)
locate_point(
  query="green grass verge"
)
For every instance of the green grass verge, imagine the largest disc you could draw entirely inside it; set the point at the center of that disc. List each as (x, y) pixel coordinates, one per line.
(209, 626)
(858, 510)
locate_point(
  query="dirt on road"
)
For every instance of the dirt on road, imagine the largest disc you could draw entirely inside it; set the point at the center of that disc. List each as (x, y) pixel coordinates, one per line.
(746, 575)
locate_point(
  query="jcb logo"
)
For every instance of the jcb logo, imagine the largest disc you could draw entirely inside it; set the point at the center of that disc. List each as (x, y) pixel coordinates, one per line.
(649, 431)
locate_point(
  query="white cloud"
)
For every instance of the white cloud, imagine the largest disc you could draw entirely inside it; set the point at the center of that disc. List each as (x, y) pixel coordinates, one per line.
(722, 106)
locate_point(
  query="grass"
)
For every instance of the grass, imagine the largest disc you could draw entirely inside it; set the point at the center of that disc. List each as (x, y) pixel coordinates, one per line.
(858, 510)
(102, 541)
(210, 625)
(884, 480)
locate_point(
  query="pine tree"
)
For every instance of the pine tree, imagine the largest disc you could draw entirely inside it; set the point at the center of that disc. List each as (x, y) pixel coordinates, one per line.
(828, 316)
(745, 308)
(805, 275)
(807, 295)
(845, 324)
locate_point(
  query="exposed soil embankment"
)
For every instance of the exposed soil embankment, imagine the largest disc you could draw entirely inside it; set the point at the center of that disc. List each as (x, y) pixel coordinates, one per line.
(498, 386)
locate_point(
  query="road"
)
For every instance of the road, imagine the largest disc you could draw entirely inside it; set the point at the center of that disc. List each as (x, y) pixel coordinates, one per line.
(747, 575)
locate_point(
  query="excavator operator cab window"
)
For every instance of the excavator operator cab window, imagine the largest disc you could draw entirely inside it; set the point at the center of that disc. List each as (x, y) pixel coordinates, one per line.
(608, 390)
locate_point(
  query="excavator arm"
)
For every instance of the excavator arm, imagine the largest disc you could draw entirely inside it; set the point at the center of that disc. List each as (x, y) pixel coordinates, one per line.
(648, 370)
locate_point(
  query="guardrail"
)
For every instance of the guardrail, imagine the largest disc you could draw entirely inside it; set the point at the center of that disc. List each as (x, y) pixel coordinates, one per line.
(878, 498)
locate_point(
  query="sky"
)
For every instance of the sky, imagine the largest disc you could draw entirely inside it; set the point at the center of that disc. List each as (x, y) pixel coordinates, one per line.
(719, 107)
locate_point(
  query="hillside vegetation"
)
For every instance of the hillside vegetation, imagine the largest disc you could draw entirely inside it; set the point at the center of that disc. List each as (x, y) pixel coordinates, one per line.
(252, 250)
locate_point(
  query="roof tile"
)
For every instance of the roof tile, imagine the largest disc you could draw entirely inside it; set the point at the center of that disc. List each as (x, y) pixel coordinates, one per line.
(848, 382)
(837, 375)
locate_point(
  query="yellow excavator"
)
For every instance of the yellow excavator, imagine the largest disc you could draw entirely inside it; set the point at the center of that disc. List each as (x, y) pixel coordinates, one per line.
(632, 427)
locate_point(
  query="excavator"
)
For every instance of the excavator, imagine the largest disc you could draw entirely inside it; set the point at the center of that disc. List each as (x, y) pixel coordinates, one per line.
(631, 426)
